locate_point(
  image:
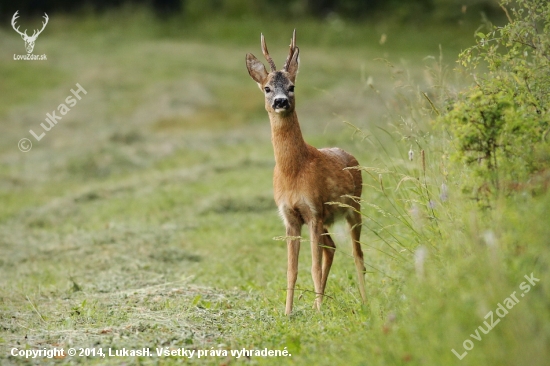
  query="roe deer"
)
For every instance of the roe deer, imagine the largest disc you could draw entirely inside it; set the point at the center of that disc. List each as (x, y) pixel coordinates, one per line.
(306, 178)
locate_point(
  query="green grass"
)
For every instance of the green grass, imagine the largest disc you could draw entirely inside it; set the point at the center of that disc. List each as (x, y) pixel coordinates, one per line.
(145, 217)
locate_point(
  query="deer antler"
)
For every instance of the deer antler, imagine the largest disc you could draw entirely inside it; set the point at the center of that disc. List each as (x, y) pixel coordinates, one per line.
(266, 54)
(43, 26)
(291, 50)
(15, 16)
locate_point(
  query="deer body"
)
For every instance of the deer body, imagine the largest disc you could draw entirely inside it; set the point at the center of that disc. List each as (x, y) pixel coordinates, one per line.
(306, 178)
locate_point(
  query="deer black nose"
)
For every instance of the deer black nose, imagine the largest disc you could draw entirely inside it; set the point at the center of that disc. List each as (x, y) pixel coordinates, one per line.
(280, 103)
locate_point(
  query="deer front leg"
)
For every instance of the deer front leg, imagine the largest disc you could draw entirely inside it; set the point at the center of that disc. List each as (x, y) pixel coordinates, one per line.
(315, 231)
(293, 250)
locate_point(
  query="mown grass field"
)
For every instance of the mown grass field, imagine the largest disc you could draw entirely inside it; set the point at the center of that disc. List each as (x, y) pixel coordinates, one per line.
(145, 218)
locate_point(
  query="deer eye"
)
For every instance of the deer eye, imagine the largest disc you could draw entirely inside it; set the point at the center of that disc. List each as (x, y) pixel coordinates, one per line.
(267, 89)
(291, 88)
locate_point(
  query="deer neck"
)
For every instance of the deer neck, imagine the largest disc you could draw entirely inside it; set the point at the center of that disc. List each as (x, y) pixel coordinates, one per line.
(291, 151)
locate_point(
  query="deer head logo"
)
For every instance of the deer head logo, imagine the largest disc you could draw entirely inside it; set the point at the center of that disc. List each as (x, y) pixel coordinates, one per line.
(29, 41)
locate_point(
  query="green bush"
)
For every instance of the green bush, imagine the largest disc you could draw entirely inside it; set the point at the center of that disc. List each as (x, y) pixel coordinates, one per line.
(501, 124)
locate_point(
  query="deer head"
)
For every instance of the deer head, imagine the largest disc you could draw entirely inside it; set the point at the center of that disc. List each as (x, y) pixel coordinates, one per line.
(278, 86)
(29, 41)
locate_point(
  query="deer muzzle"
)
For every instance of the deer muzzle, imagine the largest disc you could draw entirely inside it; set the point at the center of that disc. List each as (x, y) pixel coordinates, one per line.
(280, 103)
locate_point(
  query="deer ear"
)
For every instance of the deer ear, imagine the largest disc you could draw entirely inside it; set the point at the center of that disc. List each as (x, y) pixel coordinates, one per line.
(294, 64)
(256, 69)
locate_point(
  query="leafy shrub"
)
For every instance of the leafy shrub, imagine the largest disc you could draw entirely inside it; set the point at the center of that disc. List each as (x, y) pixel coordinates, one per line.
(501, 124)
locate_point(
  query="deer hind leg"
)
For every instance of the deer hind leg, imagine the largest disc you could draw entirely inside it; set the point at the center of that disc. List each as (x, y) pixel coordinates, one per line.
(354, 221)
(293, 251)
(328, 256)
